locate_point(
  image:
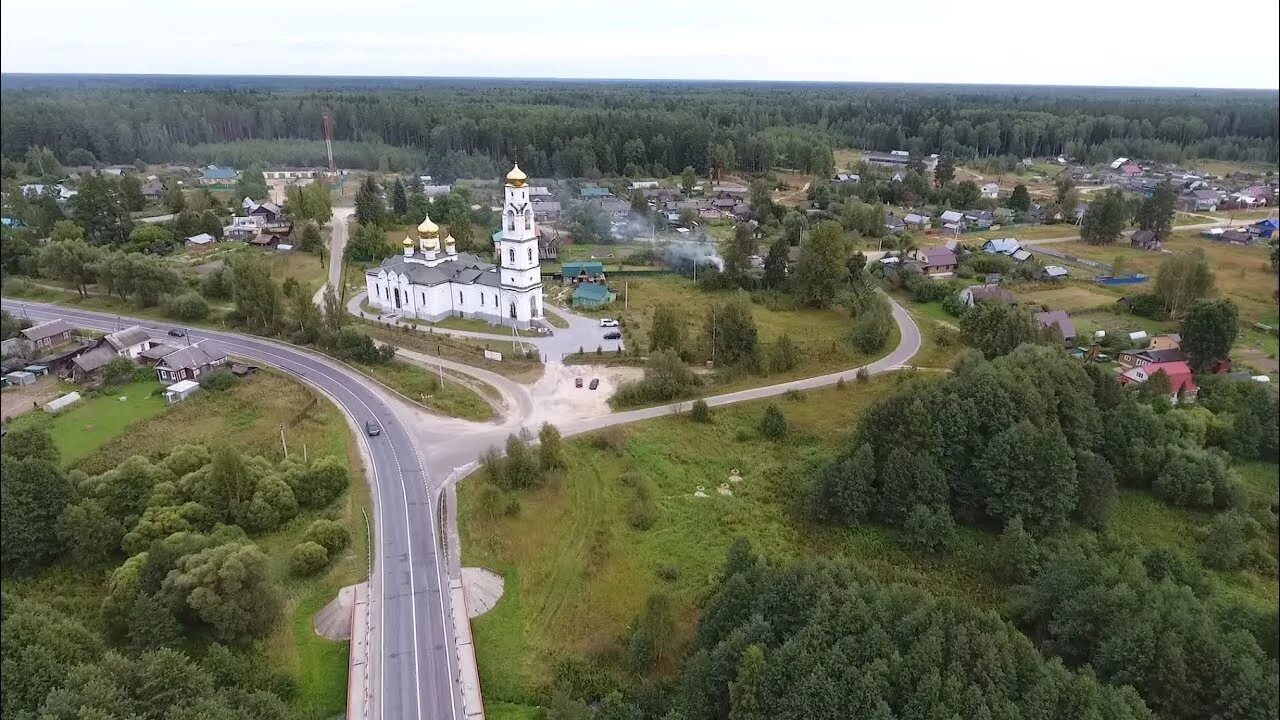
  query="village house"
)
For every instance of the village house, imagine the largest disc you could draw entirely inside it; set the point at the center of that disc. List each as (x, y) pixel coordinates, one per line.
(592, 192)
(842, 178)
(1145, 240)
(1200, 200)
(548, 246)
(540, 193)
(1001, 246)
(48, 334)
(934, 261)
(893, 223)
(986, 294)
(990, 191)
(591, 296)
(1053, 273)
(127, 343)
(952, 219)
(1183, 387)
(1166, 347)
(895, 158)
(545, 210)
(201, 241)
(152, 190)
(189, 363)
(88, 365)
(214, 175)
(582, 271)
(1060, 321)
(916, 221)
(982, 219)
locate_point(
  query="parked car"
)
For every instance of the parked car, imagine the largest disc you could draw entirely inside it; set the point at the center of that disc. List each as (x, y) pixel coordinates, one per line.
(615, 335)
(177, 333)
(595, 383)
(577, 382)
(371, 428)
(608, 322)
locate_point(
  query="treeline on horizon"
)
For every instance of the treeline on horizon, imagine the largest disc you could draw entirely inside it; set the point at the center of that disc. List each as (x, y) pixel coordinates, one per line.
(458, 128)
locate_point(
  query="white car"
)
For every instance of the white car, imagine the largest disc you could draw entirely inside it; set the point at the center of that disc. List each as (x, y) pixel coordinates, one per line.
(608, 322)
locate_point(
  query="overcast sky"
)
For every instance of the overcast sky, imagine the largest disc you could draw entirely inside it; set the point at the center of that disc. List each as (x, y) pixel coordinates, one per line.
(1086, 42)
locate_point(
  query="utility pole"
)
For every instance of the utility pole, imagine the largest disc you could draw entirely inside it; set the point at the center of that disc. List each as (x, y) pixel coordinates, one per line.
(440, 367)
(327, 120)
(626, 295)
(282, 443)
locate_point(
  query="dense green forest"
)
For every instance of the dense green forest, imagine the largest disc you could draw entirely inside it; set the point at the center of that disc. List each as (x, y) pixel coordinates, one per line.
(458, 128)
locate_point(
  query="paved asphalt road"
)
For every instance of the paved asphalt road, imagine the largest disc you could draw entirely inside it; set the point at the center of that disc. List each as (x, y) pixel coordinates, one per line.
(417, 653)
(410, 584)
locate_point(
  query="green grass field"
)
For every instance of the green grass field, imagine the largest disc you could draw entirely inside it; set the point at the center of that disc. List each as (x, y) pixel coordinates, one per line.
(576, 572)
(96, 421)
(423, 386)
(821, 336)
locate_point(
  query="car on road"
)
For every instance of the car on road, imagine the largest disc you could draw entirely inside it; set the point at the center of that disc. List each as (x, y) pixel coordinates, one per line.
(371, 428)
(615, 335)
(577, 382)
(608, 322)
(177, 333)
(595, 383)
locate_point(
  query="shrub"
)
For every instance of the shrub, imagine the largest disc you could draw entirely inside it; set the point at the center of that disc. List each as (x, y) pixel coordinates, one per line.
(218, 380)
(840, 384)
(773, 424)
(862, 375)
(666, 378)
(187, 306)
(118, 371)
(794, 395)
(1227, 543)
(700, 411)
(308, 558)
(329, 534)
(871, 329)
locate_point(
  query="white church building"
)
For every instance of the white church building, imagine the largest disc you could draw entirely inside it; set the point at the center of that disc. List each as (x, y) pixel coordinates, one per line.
(429, 284)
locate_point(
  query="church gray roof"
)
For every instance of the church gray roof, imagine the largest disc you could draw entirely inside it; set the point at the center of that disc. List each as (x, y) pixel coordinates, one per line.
(464, 269)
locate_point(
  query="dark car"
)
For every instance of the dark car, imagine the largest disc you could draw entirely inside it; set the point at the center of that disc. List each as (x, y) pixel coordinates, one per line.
(577, 382)
(614, 335)
(371, 428)
(176, 333)
(595, 383)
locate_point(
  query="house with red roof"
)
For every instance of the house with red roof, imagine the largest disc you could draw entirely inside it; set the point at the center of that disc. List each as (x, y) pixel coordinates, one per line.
(935, 261)
(1183, 386)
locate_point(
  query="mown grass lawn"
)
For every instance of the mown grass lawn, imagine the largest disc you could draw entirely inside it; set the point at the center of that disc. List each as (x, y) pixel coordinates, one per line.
(97, 420)
(576, 572)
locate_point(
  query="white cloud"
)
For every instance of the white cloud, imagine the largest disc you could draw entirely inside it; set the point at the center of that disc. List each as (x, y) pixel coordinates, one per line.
(1089, 42)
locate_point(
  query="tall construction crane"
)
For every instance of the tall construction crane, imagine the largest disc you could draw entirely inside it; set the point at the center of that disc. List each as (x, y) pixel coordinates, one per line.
(327, 119)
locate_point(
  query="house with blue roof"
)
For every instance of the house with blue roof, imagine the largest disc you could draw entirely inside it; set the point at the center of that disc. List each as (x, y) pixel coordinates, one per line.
(1265, 228)
(592, 192)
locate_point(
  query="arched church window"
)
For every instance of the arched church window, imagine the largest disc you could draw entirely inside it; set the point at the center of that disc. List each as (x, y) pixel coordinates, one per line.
(459, 297)
(511, 255)
(528, 219)
(511, 220)
(530, 254)
(513, 310)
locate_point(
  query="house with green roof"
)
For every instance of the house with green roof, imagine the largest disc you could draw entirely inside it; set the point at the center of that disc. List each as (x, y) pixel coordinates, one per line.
(580, 271)
(592, 296)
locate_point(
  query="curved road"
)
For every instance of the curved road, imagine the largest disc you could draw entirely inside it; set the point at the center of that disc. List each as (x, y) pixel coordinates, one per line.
(413, 642)
(416, 667)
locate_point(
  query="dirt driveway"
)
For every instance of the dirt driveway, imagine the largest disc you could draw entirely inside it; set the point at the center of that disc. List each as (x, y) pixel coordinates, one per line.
(18, 399)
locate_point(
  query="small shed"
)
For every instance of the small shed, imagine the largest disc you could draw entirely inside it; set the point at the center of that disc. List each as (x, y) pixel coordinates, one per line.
(37, 370)
(180, 391)
(20, 377)
(62, 403)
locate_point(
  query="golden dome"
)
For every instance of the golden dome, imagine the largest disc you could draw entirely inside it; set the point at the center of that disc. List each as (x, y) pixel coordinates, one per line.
(516, 177)
(428, 228)
(408, 241)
